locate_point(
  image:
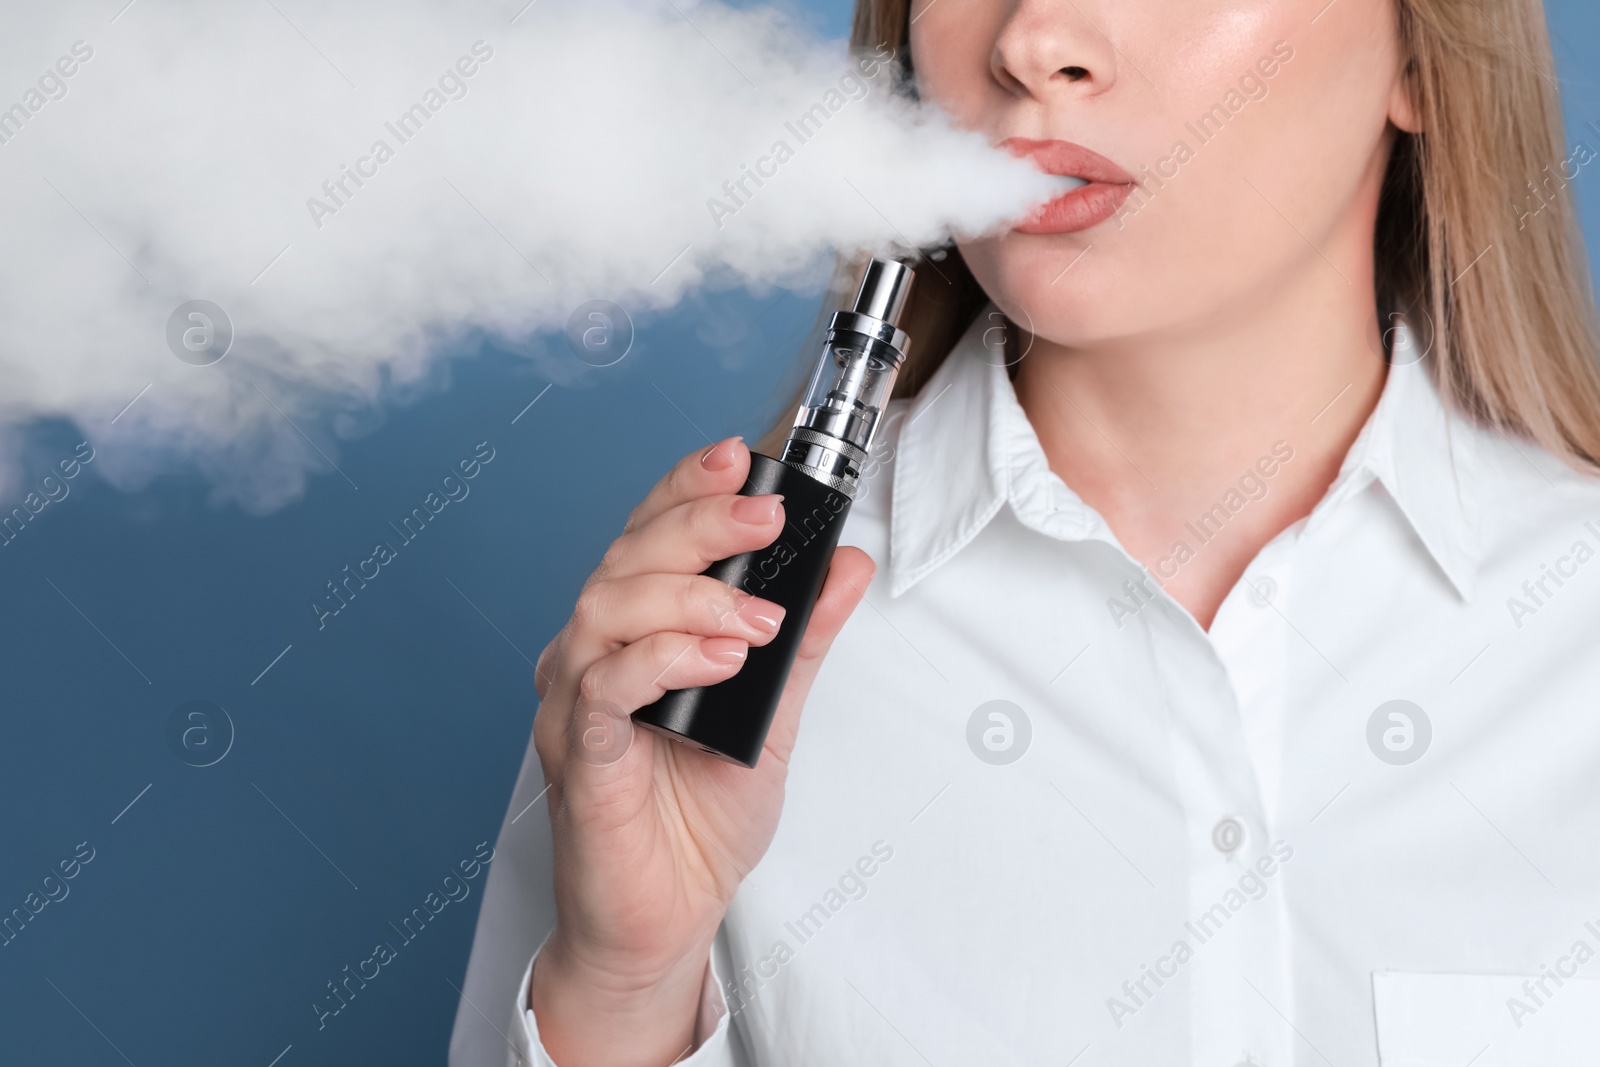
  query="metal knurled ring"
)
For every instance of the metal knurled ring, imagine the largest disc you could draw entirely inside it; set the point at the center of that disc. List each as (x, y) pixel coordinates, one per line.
(809, 436)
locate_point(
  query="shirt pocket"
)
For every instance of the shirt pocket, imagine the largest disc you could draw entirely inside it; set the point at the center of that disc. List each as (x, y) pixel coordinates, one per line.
(1487, 1020)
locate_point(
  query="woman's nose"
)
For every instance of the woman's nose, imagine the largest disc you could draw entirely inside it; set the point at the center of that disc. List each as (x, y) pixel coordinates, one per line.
(1047, 48)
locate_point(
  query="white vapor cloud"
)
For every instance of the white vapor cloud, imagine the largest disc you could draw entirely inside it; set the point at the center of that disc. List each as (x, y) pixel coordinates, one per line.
(185, 157)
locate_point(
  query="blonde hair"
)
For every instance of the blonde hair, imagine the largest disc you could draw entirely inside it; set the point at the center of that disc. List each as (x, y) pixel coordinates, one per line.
(1493, 267)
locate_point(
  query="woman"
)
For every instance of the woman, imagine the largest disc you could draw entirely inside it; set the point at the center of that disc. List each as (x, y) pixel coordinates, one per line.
(1224, 692)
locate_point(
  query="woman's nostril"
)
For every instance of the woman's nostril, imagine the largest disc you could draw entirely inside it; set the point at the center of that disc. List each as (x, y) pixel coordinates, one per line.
(1075, 73)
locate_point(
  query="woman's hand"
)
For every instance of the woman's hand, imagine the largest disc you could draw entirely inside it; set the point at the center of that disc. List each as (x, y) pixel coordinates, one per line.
(651, 837)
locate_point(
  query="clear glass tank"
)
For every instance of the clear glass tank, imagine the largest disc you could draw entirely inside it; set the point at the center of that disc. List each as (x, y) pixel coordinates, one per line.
(854, 378)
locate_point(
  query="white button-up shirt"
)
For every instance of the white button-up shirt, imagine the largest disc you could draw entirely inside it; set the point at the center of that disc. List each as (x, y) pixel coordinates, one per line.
(1037, 815)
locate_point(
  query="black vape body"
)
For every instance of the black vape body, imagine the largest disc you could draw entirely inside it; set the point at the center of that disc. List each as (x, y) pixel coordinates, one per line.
(819, 473)
(731, 718)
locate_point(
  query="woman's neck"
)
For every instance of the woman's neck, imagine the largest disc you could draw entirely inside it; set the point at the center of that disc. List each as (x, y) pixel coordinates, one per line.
(1155, 431)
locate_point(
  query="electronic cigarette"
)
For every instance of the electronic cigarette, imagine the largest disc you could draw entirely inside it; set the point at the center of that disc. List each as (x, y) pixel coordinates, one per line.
(817, 475)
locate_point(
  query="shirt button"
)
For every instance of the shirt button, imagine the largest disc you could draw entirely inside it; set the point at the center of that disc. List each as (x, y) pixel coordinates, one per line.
(1228, 835)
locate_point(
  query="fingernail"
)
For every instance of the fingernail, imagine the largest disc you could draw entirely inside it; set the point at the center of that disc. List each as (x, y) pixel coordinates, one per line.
(762, 615)
(724, 654)
(720, 456)
(757, 510)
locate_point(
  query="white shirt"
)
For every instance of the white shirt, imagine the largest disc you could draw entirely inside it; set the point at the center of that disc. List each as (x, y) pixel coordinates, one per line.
(1207, 848)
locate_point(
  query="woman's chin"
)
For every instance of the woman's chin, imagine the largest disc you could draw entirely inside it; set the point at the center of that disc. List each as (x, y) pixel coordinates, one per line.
(1052, 288)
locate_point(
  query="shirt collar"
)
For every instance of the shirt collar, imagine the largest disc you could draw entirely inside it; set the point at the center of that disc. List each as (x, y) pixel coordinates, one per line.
(1424, 455)
(967, 448)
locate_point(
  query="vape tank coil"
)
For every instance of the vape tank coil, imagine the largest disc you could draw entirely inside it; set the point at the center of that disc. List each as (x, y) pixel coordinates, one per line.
(864, 350)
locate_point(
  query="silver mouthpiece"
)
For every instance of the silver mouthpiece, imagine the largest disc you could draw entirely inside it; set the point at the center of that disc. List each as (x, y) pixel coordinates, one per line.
(864, 350)
(884, 288)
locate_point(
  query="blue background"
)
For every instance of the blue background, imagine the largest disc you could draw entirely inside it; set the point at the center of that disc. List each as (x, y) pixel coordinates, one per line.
(379, 751)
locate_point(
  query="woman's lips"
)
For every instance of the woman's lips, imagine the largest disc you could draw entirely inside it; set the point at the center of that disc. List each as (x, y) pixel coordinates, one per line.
(1106, 186)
